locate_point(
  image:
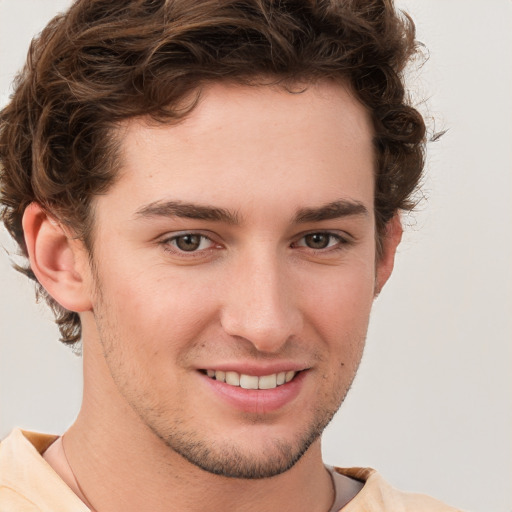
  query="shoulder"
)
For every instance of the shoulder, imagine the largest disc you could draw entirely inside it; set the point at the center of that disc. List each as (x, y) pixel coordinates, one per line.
(27, 482)
(377, 495)
(20, 448)
(13, 463)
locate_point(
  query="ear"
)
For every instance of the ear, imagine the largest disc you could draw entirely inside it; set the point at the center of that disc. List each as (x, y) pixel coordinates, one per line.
(391, 239)
(57, 260)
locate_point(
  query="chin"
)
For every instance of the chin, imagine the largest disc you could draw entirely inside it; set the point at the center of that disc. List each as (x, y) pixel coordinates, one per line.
(246, 460)
(232, 462)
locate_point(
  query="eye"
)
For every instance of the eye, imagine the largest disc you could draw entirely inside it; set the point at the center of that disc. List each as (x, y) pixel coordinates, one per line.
(320, 240)
(189, 242)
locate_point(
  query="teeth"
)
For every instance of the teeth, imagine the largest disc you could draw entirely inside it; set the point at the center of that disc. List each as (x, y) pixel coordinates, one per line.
(268, 382)
(289, 376)
(252, 381)
(232, 378)
(248, 382)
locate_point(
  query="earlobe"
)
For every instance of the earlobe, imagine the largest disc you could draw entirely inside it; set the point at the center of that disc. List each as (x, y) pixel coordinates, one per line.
(386, 261)
(56, 259)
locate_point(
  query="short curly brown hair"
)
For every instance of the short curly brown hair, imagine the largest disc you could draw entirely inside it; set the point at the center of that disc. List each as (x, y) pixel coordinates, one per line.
(105, 61)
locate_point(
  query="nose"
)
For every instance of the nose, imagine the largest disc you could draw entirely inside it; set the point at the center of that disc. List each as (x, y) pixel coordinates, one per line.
(261, 304)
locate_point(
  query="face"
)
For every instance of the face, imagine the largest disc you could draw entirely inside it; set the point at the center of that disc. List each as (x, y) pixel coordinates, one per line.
(234, 272)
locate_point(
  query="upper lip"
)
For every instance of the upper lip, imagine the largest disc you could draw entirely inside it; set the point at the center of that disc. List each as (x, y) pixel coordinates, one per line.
(258, 370)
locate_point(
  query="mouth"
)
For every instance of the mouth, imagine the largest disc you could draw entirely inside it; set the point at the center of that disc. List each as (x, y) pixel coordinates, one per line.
(246, 381)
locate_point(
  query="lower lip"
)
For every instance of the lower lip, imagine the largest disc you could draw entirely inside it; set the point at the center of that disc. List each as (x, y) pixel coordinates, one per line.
(257, 401)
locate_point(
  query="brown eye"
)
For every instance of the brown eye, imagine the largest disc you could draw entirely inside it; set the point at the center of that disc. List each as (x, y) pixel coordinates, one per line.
(188, 243)
(318, 240)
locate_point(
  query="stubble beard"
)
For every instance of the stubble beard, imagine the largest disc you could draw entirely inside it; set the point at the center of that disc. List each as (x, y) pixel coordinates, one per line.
(220, 457)
(228, 460)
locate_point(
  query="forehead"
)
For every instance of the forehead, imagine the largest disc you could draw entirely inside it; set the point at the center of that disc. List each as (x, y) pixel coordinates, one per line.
(259, 141)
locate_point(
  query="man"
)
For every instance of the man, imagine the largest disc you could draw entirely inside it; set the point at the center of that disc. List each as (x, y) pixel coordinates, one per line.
(209, 196)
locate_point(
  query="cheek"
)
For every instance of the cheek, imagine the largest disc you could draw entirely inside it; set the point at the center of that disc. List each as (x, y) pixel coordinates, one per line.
(338, 308)
(156, 310)
(341, 294)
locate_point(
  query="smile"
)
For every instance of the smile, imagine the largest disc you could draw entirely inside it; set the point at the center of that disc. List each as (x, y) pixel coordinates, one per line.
(252, 381)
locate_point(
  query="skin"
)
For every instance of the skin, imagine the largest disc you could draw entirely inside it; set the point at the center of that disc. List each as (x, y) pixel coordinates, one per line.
(272, 284)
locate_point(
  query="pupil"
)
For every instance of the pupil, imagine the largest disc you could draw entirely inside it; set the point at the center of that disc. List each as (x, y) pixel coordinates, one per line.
(188, 242)
(317, 241)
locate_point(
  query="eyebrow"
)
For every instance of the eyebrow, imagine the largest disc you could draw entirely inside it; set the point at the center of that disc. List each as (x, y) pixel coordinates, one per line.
(334, 210)
(187, 211)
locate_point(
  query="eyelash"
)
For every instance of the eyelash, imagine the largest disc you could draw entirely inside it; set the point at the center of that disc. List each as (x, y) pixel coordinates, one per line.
(169, 244)
(340, 241)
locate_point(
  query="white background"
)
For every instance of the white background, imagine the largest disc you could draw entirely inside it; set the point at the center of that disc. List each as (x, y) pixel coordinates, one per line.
(431, 407)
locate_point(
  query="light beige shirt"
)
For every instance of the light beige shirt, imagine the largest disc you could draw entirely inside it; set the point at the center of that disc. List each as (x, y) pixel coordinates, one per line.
(29, 484)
